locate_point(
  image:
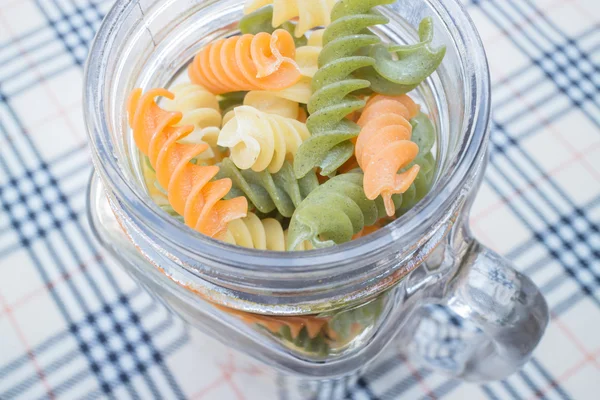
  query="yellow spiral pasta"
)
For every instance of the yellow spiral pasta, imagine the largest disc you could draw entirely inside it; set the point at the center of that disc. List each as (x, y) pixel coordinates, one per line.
(285, 103)
(307, 58)
(310, 13)
(200, 108)
(253, 233)
(260, 141)
(300, 92)
(316, 38)
(270, 103)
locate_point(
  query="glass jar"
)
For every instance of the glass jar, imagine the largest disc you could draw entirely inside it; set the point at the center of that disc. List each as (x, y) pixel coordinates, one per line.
(324, 313)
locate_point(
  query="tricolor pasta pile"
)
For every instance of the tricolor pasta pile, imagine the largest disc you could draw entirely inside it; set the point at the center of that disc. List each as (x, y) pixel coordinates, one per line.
(296, 134)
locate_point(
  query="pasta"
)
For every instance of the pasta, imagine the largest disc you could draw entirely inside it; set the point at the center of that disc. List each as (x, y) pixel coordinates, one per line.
(345, 325)
(423, 133)
(330, 145)
(269, 192)
(260, 141)
(271, 103)
(248, 62)
(333, 213)
(285, 103)
(307, 332)
(310, 13)
(253, 233)
(200, 108)
(190, 191)
(229, 101)
(301, 122)
(384, 147)
(424, 136)
(411, 65)
(300, 92)
(316, 38)
(261, 21)
(307, 58)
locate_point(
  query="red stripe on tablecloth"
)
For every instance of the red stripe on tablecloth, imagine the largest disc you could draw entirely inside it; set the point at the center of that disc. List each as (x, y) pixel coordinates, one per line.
(17, 328)
(61, 111)
(51, 285)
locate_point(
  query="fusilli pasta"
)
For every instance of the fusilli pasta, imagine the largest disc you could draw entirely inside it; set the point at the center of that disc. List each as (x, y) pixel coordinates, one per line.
(330, 145)
(284, 103)
(260, 141)
(307, 332)
(271, 103)
(261, 21)
(199, 108)
(316, 38)
(384, 147)
(345, 325)
(412, 64)
(269, 192)
(231, 100)
(333, 213)
(190, 190)
(253, 233)
(307, 58)
(248, 62)
(310, 13)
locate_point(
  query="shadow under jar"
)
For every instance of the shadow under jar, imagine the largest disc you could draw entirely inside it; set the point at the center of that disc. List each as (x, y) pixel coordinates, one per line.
(421, 286)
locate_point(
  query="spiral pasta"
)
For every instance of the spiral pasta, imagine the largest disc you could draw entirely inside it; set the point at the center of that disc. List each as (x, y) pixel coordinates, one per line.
(310, 13)
(190, 190)
(424, 135)
(330, 145)
(269, 192)
(261, 141)
(200, 108)
(303, 331)
(253, 233)
(316, 38)
(346, 324)
(285, 103)
(300, 92)
(333, 213)
(247, 62)
(398, 69)
(307, 58)
(384, 147)
(272, 103)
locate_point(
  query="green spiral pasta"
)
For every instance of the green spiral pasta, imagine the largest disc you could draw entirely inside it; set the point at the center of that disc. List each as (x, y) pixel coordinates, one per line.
(411, 65)
(330, 146)
(420, 187)
(333, 213)
(423, 133)
(268, 192)
(338, 209)
(424, 136)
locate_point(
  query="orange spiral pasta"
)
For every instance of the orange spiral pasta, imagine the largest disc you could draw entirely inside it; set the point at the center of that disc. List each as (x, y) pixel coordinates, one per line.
(248, 62)
(190, 190)
(383, 147)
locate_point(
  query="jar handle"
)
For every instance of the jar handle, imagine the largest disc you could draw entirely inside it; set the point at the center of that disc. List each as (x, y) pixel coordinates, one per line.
(488, 323)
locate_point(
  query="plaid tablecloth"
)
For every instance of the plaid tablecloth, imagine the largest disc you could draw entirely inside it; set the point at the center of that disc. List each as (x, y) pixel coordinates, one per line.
(74, 326)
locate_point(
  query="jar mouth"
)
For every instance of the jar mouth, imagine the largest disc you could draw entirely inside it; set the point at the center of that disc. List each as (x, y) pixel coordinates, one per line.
(401, 235)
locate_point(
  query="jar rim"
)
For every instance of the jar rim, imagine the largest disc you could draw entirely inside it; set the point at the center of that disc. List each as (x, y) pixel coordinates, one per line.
(403, 231)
